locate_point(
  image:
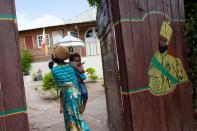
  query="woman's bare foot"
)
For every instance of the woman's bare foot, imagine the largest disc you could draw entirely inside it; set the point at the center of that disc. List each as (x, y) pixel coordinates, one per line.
(61, 109)
(82, 109)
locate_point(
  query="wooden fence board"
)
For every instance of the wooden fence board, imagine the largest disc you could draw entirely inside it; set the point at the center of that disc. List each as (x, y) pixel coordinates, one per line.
(13, 116)
(136, 25)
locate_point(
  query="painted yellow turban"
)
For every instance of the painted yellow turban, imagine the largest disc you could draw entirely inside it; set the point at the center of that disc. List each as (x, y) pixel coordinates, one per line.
(166, 31)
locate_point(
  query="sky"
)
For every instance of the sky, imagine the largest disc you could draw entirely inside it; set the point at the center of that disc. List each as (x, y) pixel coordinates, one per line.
(28, 10)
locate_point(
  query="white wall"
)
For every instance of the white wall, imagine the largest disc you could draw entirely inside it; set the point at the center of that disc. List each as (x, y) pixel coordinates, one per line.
(90, 61)
(39, 65)
(94, 62)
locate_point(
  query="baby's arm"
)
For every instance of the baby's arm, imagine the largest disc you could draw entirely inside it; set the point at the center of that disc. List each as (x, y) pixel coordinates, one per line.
(77, 68)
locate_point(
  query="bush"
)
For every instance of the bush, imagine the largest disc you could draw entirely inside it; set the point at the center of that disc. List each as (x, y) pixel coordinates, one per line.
(94, 77)
(26, 61)
(90, 71)
(49, 83)
(191, 34)
(91, 74)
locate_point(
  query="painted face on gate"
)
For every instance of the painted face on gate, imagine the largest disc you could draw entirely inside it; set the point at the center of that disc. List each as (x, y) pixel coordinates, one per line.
(163, 46)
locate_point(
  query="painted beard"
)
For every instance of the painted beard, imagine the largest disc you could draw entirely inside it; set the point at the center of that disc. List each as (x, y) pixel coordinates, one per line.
(163, 49)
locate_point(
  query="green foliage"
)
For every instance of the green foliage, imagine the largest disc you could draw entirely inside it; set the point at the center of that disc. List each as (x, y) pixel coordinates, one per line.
(90, 71)
(94, 3)
(94, 77)
(191, 34)
(48, 82)
(26, 61)
(91, 74)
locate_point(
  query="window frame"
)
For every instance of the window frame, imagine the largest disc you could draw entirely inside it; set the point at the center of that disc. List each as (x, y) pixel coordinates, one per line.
(47, 39)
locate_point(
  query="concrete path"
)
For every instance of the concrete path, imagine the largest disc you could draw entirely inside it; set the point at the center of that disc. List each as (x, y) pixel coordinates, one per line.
(44, 114)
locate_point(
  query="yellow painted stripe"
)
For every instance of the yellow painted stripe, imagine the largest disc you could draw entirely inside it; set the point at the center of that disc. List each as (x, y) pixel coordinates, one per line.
(129, 93)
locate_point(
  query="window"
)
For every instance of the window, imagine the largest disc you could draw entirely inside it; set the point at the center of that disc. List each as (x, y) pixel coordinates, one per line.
(29, 42)
(57, 35)
(74, 33)
(89, 33)
(39, 40)
(92, 42)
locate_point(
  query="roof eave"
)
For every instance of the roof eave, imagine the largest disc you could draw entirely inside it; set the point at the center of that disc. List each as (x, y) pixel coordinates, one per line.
(57, 25)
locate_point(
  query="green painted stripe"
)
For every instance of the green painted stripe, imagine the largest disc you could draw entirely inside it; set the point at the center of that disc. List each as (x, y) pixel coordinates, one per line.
(141, 89)
(14, 111)
(160, 67)
(12, 17)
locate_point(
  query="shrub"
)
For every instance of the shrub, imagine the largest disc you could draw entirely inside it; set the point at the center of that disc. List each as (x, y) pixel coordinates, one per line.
(94, 77)
(90, 71)
(49, 83)
(91, 74)
(26, 61)
(191, 34)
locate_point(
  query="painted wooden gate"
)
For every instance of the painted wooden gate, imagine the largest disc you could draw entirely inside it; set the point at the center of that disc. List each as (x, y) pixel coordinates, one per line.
(110, 70)
(12, 97)
(129, 32)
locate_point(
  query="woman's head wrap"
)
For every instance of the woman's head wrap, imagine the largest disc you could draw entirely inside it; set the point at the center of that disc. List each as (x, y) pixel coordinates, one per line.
(61, 53)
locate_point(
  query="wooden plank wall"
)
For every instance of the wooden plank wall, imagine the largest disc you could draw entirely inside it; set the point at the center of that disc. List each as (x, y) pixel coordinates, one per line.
(12, 95)
(110, 70)
(39, 54)
(136, 25)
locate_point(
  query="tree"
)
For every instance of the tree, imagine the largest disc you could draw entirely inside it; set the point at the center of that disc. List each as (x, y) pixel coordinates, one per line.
(94, 3)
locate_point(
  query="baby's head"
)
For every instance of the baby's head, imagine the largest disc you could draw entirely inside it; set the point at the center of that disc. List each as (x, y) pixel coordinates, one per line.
(75, 58)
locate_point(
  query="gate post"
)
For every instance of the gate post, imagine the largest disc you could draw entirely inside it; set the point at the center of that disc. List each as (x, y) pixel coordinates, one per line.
(13, 115)
(154, 91)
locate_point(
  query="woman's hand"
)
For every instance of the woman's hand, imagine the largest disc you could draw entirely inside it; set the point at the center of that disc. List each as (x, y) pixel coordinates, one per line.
(73, 64)
(50, 65)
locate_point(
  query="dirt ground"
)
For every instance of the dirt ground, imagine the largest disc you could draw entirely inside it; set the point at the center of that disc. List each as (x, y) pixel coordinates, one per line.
(43, 109)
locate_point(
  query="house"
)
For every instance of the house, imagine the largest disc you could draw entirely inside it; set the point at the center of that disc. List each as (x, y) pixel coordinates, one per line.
(82, 26)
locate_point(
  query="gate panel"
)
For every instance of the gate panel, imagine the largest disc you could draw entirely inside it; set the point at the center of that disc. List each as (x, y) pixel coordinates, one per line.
(13, 106)
(137, 25)
(112, 88)
(110, 69)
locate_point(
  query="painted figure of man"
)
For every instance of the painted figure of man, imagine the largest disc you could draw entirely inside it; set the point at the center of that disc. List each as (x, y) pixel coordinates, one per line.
(165, 71)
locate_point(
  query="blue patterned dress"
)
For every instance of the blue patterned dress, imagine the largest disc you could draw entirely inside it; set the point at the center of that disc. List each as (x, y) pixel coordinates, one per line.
(65, 77)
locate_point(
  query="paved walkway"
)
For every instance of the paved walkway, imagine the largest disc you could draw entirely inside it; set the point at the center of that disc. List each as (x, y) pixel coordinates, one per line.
(44, 114)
